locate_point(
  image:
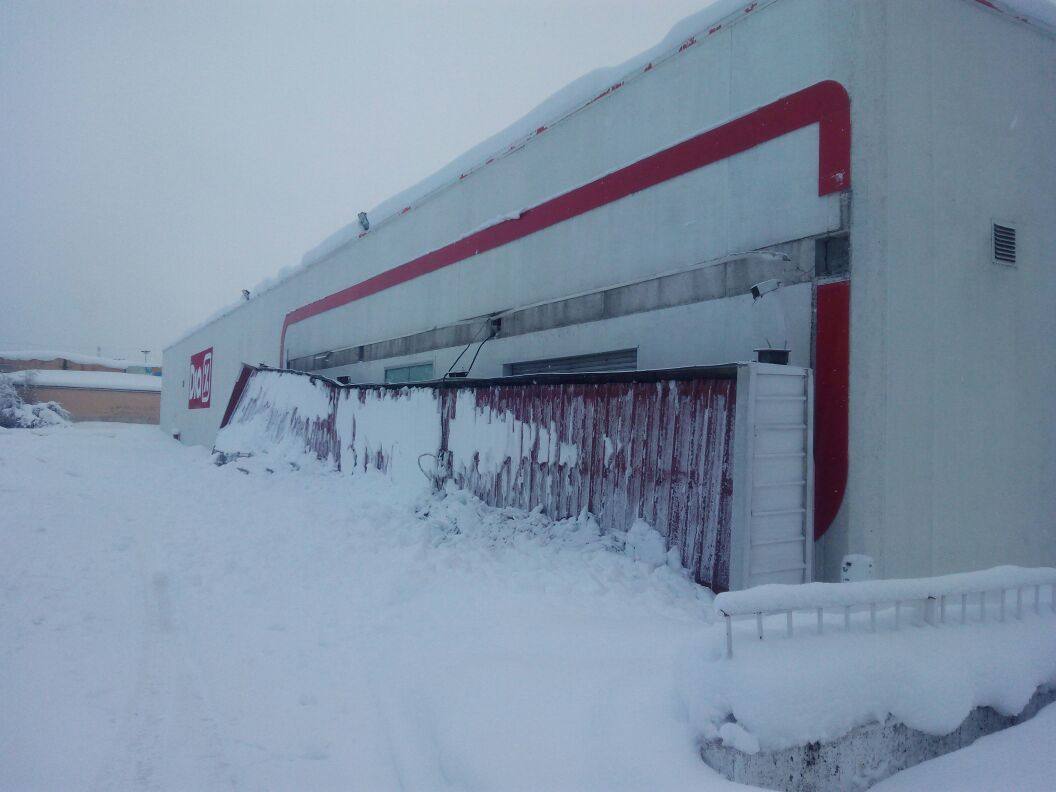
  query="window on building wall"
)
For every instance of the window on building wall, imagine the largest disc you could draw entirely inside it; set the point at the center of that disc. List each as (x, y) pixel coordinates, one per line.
(417, 372)
(619, 360)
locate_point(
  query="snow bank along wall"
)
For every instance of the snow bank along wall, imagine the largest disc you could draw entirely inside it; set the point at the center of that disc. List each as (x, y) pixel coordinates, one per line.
(717, 459)
(816, 143)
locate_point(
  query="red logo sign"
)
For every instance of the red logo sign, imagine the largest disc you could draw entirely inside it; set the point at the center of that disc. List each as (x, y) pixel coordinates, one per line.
(201, 391)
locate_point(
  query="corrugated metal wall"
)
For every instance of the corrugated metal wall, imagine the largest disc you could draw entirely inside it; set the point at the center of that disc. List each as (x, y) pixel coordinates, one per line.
(651, 445)
(660, 451)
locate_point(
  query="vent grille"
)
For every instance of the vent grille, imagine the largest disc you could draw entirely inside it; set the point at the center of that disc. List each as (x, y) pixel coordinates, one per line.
(620, 360)
(1004, 244)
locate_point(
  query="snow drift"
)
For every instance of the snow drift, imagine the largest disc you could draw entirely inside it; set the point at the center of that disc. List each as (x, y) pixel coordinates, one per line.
(16, 414)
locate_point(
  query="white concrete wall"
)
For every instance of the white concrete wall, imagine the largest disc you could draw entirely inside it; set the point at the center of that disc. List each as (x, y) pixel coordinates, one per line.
(712, 332)
(953, 390)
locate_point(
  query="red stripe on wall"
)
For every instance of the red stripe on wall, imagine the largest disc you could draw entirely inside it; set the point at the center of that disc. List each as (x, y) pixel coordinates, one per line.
(832, 378)
(825, 103)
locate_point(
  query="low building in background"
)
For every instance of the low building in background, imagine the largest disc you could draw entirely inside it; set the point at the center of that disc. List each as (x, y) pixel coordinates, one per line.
(37, 360)
(93, 395)
(154, 371)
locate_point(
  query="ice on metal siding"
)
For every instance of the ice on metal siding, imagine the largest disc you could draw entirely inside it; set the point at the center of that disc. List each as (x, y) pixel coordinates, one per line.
(718, 459)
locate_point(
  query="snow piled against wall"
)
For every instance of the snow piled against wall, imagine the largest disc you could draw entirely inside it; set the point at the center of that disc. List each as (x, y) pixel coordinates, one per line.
(773, 694)
(392, 430)
(286, 417)
(494, 437)
(276, 418)
(396, 431)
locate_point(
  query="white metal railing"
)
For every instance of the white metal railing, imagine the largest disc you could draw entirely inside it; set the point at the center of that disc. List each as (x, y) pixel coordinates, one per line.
(936, 601)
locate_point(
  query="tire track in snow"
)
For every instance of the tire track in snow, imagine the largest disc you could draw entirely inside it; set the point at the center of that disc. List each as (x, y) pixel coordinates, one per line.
(168, 710)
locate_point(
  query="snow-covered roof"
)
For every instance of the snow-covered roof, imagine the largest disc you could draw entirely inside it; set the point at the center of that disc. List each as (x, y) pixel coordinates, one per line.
(1039, 13)
(577, 95)
(73, 357)
(96, 380)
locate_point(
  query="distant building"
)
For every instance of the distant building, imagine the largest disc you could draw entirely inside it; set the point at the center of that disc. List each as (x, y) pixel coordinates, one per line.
(38, 360)
(154, 371)
(89, 388)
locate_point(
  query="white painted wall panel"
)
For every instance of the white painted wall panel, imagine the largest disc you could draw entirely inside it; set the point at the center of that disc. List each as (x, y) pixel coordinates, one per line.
(953, 418)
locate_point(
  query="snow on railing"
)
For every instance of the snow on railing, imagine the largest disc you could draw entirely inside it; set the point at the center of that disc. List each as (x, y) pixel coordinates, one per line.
(931, 597)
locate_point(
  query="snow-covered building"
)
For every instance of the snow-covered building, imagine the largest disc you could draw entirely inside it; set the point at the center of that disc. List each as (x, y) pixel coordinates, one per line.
(37, 360)
(881, 171)
(50, 360)
(93, 394)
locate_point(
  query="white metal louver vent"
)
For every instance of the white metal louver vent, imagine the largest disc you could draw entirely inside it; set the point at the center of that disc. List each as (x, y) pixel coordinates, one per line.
(1004, 244)
(619, 360)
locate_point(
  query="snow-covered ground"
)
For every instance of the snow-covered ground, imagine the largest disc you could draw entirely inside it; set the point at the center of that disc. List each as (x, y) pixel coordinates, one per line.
(169, 624)
(1022, 758)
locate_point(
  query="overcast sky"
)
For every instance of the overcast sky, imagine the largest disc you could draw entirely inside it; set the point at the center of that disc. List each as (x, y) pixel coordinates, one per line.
(157, 158)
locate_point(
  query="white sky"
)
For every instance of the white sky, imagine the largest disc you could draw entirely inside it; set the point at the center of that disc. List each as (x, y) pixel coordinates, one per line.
(157, 158)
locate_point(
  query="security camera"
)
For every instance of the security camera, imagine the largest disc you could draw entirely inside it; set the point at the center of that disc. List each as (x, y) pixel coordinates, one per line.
(759, 289)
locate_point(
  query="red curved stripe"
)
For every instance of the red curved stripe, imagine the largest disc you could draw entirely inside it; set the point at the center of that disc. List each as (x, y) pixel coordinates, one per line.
(825, 103)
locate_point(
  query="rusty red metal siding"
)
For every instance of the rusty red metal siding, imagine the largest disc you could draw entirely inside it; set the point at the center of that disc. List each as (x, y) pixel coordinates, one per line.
(659, 451)
(319, 435)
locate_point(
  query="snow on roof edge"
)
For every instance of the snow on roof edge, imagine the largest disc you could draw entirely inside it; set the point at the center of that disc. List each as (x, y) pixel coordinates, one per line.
(92, 380)
(73, 357)
(1040, 14)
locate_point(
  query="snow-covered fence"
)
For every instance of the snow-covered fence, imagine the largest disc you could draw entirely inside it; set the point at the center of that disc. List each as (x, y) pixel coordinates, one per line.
(937, 600)
(717, 459)
(281, 412)
(659, 449)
